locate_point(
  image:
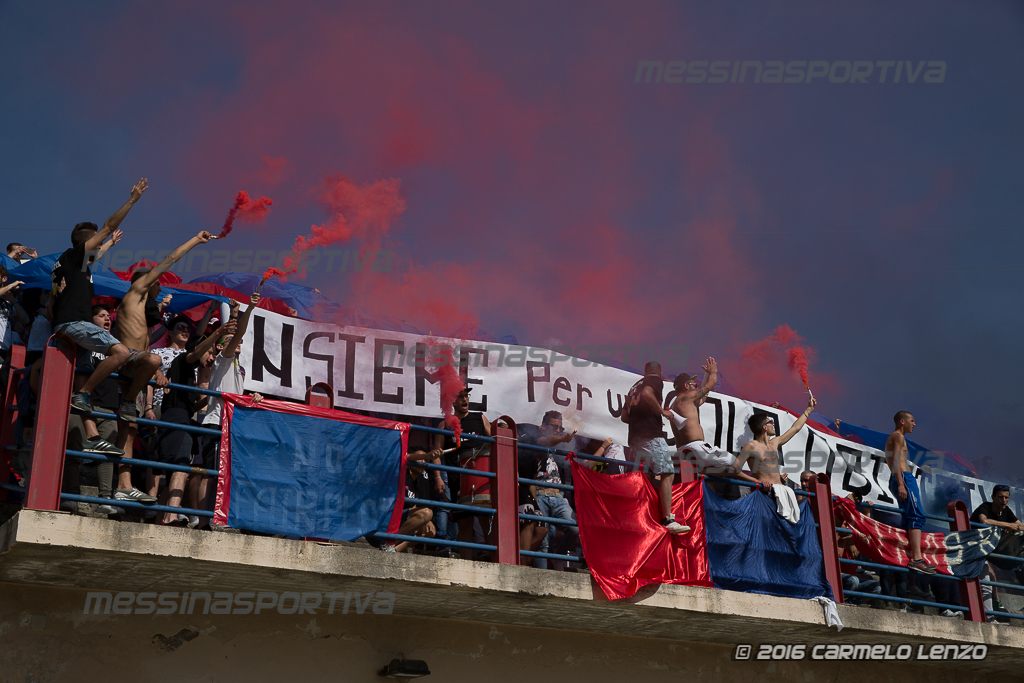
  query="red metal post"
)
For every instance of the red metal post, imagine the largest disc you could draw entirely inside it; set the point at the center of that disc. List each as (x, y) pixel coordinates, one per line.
(51, 432)
(821, 504)
(970, 589)
(9, 417)
(320, 395)
(505, 490)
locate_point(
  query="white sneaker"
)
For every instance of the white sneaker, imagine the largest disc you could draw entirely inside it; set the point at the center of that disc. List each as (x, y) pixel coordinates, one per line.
(193, 521)
(675, 527)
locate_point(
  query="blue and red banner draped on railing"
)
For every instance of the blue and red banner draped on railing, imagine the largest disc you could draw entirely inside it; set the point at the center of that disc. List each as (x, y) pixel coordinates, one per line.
(957, 553)
(624, 543)
(297, 470)
(751, 548)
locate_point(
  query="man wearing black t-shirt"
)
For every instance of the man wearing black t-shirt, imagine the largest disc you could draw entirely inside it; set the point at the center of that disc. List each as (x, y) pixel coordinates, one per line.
(72, 313)
(998, 513)
(643, 413)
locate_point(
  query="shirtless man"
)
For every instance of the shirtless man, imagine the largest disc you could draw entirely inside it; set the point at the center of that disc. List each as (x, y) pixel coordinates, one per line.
(903, 485)
(762, 453)
(686, 424)
(133, 331)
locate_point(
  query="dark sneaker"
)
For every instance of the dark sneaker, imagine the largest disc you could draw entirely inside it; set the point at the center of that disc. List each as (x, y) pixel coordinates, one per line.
(81, 403)
(133, 494)
(921, 567)
(98, 445)
(129, 412)
(916, 593)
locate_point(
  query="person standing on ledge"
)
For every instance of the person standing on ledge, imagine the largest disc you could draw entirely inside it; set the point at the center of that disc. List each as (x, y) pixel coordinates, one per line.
(643, 413)
(903, 485)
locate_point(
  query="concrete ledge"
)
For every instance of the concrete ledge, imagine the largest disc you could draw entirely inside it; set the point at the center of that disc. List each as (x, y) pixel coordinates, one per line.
(58, 549)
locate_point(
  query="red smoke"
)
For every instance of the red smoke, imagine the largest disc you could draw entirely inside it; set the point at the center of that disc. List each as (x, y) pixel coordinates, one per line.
(364, 212)
(764, 369)
(245, 209)
(451, 384)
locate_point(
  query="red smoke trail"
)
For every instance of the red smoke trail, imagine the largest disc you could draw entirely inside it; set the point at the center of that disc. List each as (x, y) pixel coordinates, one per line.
(451, 384)
(364, 212)
(245, 209)
(761, 367)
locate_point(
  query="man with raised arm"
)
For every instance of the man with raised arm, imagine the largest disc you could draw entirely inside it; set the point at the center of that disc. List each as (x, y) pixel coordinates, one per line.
(762, 452)
(687, 428)
(72, 313)
(762, 455)
(132, 327)
(903, 485)
(643, 413)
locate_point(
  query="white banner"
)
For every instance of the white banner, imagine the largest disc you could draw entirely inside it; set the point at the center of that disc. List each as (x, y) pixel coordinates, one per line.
(381, 371)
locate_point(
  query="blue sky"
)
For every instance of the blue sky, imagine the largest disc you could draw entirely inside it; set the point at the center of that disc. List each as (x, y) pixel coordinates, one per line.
(549, 196)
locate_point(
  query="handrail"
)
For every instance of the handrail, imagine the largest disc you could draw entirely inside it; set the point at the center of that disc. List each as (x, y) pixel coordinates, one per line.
(132, 462)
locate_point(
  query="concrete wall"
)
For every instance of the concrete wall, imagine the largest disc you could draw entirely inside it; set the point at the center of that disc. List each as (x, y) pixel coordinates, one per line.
(470, 621)
(45, 638)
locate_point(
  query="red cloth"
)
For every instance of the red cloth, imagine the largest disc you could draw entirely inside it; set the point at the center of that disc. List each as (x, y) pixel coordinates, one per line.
(266, 302)
(167, 278)
(223, 500)
(623, 540)
(886, 544)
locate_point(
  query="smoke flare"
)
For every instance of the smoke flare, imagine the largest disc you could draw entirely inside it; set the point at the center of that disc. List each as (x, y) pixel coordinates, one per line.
(245, 209)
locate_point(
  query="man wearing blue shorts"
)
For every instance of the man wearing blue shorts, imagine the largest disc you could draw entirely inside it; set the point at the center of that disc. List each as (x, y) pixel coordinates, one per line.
(72, 314)
(903, 485)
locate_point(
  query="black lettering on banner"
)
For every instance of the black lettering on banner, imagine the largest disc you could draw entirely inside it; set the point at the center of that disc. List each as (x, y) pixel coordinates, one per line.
(379, 370)
(717, 403)
(561, 384)
(831, 460)
(531, 378)
(327, 358)
(261, 362)
(423, 375)
(580, 390)
(349, 390)
(807, 450)
(883, 497)
(731, 443)
(612, 410)
(853, 468)
(464, 352)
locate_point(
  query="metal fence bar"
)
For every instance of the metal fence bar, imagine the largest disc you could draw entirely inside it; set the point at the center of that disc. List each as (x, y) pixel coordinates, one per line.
(450, 468)
(545, 484)
(999, 584)
(432, 541)
(908, 601)
(549, 520)
(135, 505)
(52, 420)
(549, 556)
(9, 414)
(450, 506)
(131, 462)
(160, 424)
(1008, 615)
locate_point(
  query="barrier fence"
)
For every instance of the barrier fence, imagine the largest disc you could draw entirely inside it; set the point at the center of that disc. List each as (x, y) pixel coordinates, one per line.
(48, 454)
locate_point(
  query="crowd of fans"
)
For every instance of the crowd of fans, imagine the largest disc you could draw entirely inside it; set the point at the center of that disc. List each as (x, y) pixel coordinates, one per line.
(145, 345)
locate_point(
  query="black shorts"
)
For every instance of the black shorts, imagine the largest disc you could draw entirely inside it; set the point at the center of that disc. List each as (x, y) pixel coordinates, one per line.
(209, 455)
(174, 446)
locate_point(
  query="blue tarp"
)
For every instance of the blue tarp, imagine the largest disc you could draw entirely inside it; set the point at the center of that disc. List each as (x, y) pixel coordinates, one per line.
(300, 475)
(36, 275)
(754, 550)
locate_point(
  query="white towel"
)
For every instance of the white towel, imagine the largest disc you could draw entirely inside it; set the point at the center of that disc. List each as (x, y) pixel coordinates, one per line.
(831, 613)
(786, 500)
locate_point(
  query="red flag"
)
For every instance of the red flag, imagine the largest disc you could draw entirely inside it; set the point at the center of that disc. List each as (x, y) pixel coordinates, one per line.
(623, 540)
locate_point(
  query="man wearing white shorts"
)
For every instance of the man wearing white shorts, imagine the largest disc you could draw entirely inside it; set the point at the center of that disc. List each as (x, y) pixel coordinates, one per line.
(686, 423)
